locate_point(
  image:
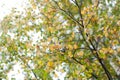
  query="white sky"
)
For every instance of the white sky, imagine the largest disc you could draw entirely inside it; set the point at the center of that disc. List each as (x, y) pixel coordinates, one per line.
(5, 8)
(7, 5)
(16, 73)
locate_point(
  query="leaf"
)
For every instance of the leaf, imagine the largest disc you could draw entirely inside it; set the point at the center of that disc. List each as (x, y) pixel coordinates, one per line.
(50, 64)
(80, 54)
(70, 47)
(70, 54)
(75, 46)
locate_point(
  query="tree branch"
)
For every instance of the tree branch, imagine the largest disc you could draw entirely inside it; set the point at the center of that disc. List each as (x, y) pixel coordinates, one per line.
(68, 13)
(29, 67)
(32, 72)
(89, 43)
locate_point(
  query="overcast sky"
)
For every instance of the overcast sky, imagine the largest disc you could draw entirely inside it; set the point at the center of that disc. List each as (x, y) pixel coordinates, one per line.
(7, 5)
(5, 9)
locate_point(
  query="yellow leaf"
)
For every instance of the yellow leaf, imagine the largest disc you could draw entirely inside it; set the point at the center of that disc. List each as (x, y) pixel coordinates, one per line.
(70, 47)
(73, 34)
(118, 49)
(50, 64)
(70, 54)
(94, 19)
(115, 42)
(34, 6)
(46, 0)
(75, 46)
(55, 75)
(56, 46)
(80, 53)
(40, 63)
(83, 68)
(51, 47)
(106, 31)
(49, 39)
(50, 29)
(103, 50)
(118, 22)
(111, 51)
(83, 12)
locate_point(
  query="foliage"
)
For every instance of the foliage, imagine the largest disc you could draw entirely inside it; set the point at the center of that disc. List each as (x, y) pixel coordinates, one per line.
(82, 33)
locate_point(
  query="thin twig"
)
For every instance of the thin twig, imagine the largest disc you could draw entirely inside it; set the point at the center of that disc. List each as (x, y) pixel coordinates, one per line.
(32, 71)
(68, 13)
